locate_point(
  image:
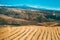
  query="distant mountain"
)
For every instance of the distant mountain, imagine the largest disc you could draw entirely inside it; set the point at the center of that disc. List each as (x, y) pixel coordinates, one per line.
(22, 7)
(30, 8)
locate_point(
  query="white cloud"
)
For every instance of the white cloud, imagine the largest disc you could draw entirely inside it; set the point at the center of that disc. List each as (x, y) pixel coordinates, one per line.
(36, 6)
(53, 8)
(1, 5)
(4, 5)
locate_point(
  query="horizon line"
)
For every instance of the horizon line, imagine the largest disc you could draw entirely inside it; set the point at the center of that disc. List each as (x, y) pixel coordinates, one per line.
(34, 6)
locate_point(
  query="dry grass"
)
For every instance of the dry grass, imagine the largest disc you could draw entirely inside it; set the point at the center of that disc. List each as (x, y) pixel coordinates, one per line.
(29, 33)
(6, 20)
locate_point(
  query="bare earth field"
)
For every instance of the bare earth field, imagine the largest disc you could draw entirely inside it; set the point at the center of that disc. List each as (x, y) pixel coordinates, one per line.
(29, 33)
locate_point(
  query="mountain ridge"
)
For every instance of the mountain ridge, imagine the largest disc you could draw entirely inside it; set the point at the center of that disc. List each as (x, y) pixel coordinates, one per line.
(30, 8)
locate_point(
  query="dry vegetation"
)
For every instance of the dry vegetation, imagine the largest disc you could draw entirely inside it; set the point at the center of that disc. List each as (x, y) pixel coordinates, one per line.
(14, 25)
(29, 33)
(6, 20)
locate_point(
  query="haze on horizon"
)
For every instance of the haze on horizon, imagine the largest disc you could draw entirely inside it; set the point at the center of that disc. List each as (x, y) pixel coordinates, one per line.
(49, 4)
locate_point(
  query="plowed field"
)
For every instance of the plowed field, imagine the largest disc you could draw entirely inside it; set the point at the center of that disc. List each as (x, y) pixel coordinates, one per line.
(30, 33)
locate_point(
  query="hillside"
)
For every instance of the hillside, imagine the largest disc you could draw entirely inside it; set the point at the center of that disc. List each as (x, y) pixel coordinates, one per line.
(22, 24)
(6, 20)
(27, 17)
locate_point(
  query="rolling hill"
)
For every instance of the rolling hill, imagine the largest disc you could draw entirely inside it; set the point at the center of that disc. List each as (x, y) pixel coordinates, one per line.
(21, 16)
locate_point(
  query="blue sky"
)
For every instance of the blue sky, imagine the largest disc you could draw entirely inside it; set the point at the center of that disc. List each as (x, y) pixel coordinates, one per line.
(55, 4)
